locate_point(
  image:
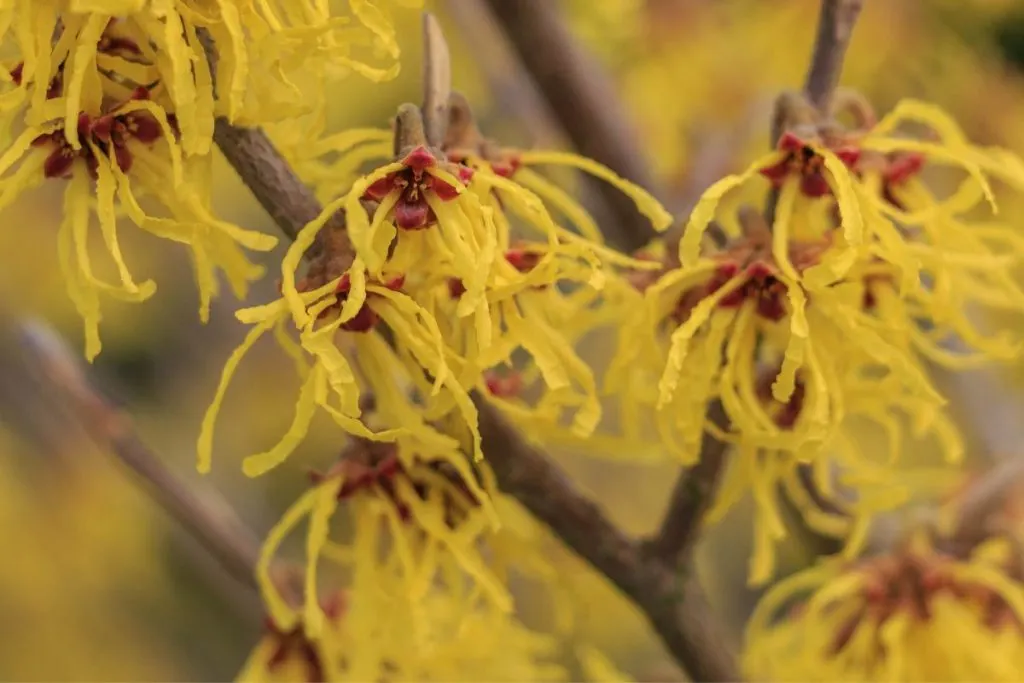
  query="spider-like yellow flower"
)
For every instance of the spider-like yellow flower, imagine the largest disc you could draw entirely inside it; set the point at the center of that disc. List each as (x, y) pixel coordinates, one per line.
(852, 484)
(433, 511)
(262, 48)
(752, 303)
(856, 174)
(425, 597)
(341, 354)
(447, 227)
(919, 614)
(127, 150)
(848, 278)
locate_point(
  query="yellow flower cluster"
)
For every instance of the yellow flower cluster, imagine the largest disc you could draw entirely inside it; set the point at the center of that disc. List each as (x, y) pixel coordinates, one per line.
(430, 602)
(118, 97)
(920, 614)
(829, 312)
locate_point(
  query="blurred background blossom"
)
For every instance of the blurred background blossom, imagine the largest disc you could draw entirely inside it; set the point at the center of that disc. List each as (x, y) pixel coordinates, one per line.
(98, 584)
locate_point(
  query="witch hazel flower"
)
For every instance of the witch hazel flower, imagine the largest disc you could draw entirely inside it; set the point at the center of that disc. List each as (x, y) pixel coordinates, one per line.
(121, 151)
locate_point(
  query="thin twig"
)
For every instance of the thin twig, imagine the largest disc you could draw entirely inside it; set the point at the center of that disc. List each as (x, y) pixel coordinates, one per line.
(586, 104)
(437, 80)
(835, 27)
(515, 93)
(692, 495)
(199, 509)
(293, 207)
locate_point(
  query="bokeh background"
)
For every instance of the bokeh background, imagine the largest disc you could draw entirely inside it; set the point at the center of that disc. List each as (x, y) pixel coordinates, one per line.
(97, 583)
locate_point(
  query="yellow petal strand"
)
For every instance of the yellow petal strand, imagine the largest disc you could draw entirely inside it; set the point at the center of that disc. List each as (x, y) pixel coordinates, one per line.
(562, 201)
(793, 360)
(81, 60)
(551, 367)
(846, 197)
(431, 519)
(373, 19)
(325, 503)
(781, 593)
(285, 618)
(106, 188)
(345, 140)
(333, 366)
(305, 408)
(74, 260)
(358, 220)
(650, 207)
(704, 212)
(293, 257)
(204, 455)
(408, 308)
(356, 297)
(923, 112)
(963, 157)
(684, 333)
(782, 226)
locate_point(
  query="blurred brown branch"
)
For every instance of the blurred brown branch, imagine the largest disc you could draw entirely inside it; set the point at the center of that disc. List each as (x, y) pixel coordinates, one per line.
(512, 87)
(585, 103)
(199, 509)
(835, 27)
(692, 495)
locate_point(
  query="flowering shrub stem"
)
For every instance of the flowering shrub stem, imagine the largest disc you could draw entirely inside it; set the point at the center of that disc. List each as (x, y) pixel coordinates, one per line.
(437, 80)
(672, 600)
(199, 509)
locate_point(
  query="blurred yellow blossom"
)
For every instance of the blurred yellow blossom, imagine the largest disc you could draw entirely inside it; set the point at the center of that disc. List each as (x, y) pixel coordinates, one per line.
(918, 614)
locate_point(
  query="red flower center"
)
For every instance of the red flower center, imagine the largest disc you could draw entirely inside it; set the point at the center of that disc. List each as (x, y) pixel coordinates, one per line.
(800, 159)
(110, 134)
(412, 212)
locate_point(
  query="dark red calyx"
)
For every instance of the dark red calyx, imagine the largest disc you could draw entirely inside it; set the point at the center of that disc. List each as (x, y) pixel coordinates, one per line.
(903, 167)
(456, 288)
(413, 212)
(419, 159)
(522, 260)
(503, 384)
